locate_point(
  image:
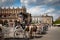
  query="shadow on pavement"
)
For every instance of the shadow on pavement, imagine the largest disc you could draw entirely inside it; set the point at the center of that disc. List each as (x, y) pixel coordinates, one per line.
(16, 39)
(37, 36)
(44, 33)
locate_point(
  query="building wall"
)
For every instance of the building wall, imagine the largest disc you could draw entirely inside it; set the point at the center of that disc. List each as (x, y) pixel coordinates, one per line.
(43, 19)
(13, 14)
(36, 19)
(47, 19)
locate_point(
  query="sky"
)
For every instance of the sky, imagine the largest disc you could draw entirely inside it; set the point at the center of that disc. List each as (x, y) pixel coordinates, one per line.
(36, 7)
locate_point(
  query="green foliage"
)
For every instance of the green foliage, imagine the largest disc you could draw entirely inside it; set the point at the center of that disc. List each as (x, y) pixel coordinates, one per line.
(56, 22)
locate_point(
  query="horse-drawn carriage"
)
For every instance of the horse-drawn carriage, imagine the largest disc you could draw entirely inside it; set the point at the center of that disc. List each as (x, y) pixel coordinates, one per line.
(19, 32)
(27, 32)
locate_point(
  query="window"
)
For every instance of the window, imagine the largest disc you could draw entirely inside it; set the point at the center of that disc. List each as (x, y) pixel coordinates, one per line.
(4, 15)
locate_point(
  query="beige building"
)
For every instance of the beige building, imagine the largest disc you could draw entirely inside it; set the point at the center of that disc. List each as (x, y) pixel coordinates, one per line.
(47, 19)
(14, 15)
(42, 19)
(36, 19)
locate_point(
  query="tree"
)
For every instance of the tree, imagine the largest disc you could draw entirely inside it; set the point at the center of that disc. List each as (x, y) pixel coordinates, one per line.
(57, 21)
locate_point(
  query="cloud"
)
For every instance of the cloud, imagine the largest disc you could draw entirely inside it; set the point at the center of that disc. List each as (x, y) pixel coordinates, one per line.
(49, 2)
(55, 16)
(27, 2)
(41, 2)
(50, 10)
(55, 13)
(39, 10)
(3, 0)
(36, 6)
(6, 3)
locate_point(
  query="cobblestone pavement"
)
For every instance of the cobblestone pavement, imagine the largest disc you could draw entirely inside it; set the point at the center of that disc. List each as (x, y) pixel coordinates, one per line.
(52, 34)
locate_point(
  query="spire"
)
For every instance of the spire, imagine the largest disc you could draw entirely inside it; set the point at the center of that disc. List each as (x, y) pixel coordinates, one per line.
(23, 6)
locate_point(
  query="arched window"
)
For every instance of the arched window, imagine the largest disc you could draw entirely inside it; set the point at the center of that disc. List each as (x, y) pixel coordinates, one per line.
(1, 22)
(15, 22)
(10, 20)
(0, 15)
(5, 22)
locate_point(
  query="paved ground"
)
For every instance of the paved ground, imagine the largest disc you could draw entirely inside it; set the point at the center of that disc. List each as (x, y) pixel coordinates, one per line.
(52, 34)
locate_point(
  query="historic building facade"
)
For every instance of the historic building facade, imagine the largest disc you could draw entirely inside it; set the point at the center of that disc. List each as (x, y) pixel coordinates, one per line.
(14, 15)
(36, 19)
(47, 19)
(42, 19)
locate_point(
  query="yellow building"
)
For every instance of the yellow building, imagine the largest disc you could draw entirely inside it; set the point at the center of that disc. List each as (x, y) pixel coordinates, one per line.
(14, 15)
(36, 19)
(42, 19)
(47, 19)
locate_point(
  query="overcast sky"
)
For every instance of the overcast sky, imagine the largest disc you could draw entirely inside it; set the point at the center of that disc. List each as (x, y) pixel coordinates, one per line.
(36, 7)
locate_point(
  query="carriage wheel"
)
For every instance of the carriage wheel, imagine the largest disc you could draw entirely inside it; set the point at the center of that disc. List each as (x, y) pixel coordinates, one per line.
(1, 35)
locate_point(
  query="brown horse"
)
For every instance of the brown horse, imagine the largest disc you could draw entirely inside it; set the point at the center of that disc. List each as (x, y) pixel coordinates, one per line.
(31, 28)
